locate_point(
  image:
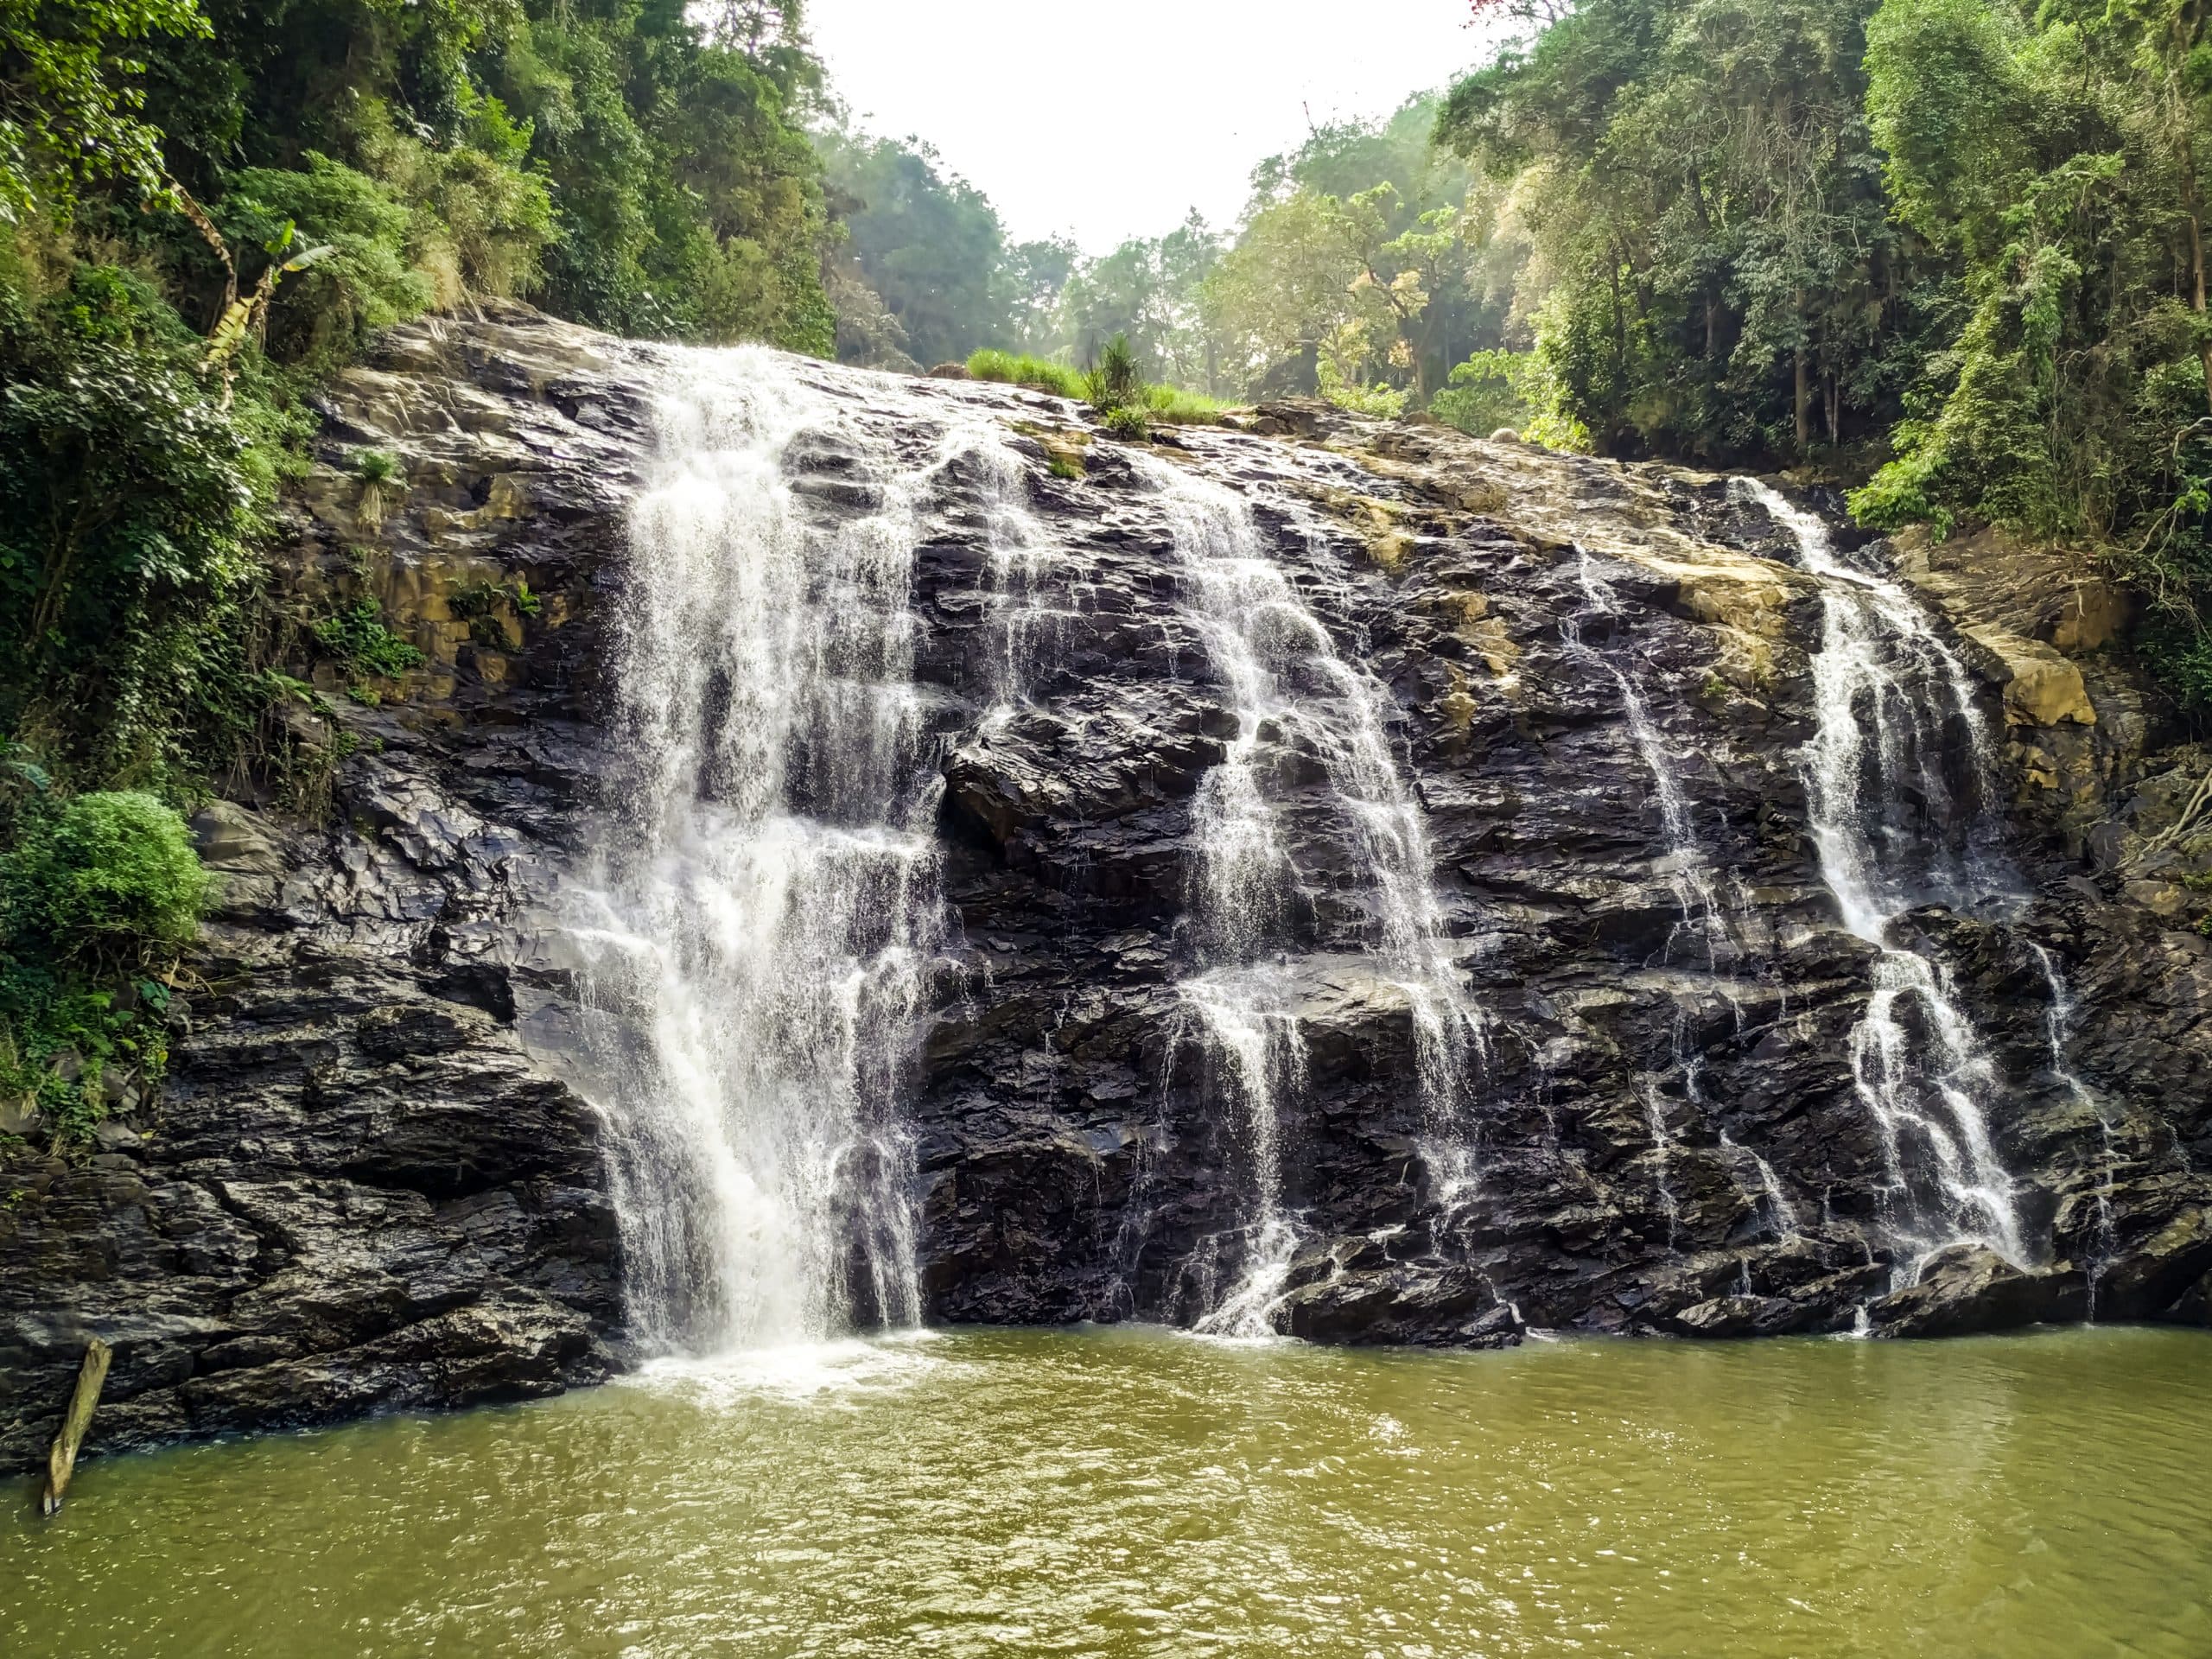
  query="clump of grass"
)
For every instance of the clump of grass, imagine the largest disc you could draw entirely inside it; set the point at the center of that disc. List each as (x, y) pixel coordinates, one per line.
(1114, 382)
(1378, 401)
(383, 482)
(1021, 369)
(1126, 423)
(1177, 407)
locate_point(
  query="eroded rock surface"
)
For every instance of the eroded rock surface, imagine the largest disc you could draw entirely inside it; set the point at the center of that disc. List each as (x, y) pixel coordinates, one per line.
(367, 1184)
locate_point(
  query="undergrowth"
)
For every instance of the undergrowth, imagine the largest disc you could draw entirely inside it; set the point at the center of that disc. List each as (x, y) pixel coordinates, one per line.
(1021, 369)
(99, 895)
(1126, 404)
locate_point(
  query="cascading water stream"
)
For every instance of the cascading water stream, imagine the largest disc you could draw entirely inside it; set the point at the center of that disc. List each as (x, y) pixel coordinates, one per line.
(758, 947)
(1287, 687)
(1034, 583)
(1688, 872)
(1878, 672)
(2058, 1029)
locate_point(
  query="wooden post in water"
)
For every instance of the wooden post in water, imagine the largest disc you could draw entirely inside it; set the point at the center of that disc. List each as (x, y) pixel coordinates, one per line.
(62, 1461)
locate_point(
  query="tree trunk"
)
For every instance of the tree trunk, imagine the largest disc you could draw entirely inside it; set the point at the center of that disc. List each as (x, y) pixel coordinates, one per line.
(2196, 260)
(1802, 367)
(62, 1461)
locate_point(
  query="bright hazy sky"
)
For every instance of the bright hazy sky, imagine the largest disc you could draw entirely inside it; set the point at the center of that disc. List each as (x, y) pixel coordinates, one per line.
(1111, 118)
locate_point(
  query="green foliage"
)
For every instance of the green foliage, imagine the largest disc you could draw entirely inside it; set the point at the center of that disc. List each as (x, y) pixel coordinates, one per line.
(1484, 393)
(1365, 245)
(931, 246)
(1712, 267)
(484, 605)
(69, 103)
(1370, 251)
(357, 637)
(130, 496)
(1114, 381)
(2054, 156)
(1151, 292)
(107, 879)
(98, 896)
(1127, 422)
(1177, 407)
(367, 283)
(1021, 369)
(1159, 403)
(1379, 401)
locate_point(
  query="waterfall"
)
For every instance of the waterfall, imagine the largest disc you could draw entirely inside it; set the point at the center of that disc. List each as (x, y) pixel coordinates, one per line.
(1663, 1156)
(1290, 692)
(2058, 1032)
(1025, 567)
(1884, 822)
(1688, 870)
(757, 944)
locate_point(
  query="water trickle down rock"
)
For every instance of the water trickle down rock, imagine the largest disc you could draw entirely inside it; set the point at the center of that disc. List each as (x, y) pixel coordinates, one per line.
(370, 1182)
(1299, 707)
(1892, 835)
(758, 941)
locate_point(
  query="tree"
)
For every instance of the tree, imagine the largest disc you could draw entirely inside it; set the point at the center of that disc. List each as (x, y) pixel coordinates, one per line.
(928, 243)
(1714, 269)
(70, 100)
(2056, 157)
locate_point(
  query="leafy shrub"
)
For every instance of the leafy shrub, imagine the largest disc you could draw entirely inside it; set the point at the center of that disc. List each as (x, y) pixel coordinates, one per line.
(1484, 393)
(357, 637)
(109, 880)
(1124, 422)
(98, 898)
(481, 604)
(1380, 402)
(1115, 380)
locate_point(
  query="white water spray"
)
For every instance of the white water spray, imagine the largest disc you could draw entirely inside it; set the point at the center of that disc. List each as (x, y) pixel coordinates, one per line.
(1687, 871)
(2058, 1029)
(1289, 690)
(758, 949)
(1882, 681)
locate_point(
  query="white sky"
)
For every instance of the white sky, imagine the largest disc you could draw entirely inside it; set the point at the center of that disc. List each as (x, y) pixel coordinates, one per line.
(1112, 118)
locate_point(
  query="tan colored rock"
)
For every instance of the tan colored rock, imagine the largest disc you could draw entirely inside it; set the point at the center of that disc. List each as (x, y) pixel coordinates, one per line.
(2092, 618)
(1495, 646)
(2042, 688)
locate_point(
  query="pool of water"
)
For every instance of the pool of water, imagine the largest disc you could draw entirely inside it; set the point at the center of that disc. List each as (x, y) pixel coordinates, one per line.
(1137, 1493)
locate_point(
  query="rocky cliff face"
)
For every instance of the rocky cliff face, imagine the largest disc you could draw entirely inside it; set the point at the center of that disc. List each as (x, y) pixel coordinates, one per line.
(372, 1181)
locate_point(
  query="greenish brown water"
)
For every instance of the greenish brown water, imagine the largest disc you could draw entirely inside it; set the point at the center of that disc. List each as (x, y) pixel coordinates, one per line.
(1133, 1492)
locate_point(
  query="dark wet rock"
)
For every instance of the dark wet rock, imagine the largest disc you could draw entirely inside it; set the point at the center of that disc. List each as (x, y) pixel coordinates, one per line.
(356, 1190)
(1968, 1288)
(368, 1181)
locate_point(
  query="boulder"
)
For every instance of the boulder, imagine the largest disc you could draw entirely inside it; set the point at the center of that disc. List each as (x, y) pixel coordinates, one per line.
(1418, 1303)
(2041, 687)
(1967, 1288)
